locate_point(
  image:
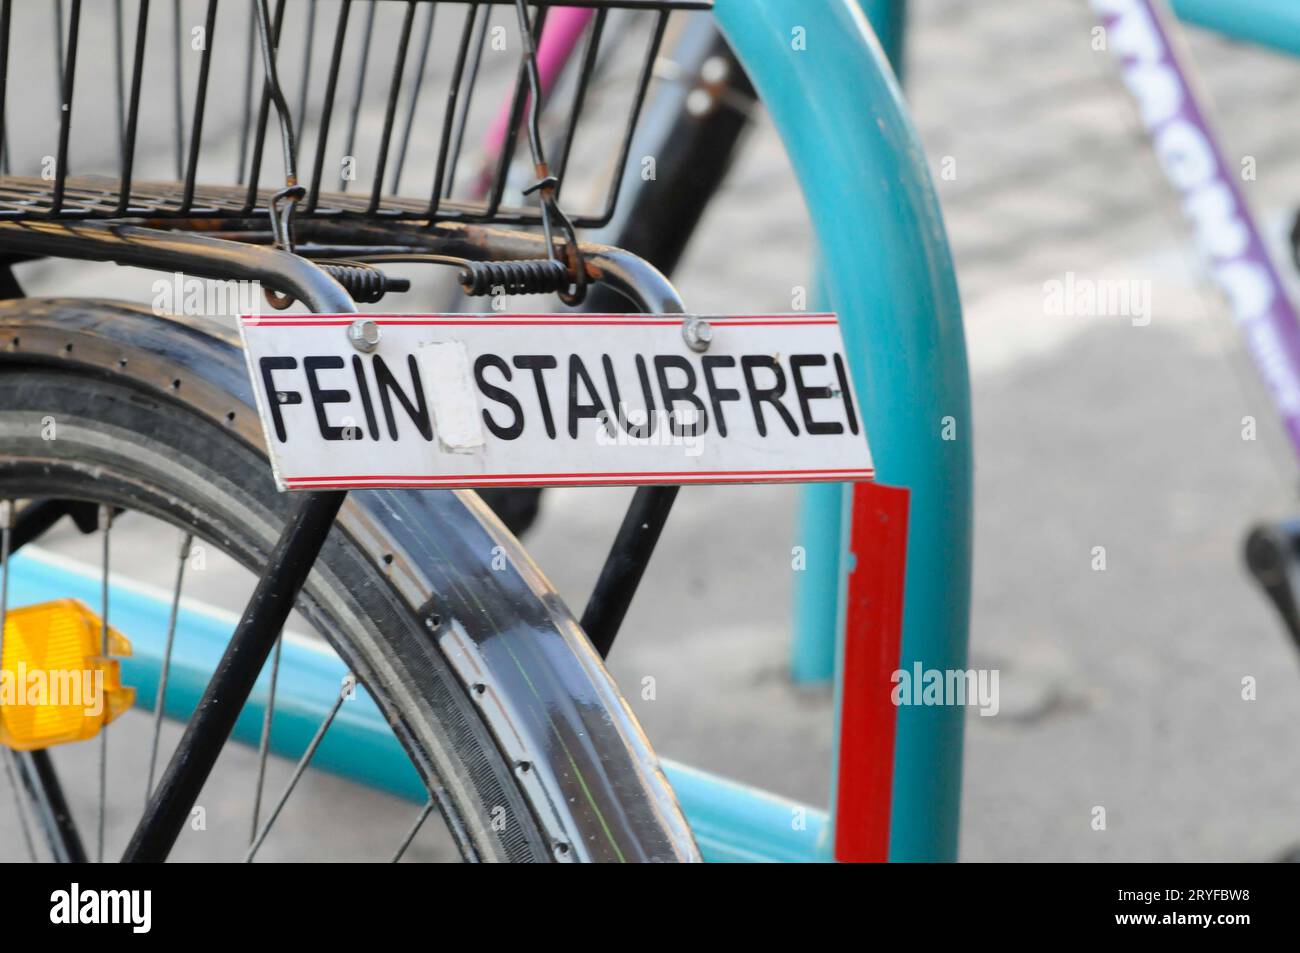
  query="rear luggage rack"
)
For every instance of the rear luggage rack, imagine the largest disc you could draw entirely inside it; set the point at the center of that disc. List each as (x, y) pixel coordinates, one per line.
(59, 160)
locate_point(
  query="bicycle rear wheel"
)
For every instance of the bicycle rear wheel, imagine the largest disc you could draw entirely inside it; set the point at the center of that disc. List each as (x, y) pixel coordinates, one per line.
(504, 710)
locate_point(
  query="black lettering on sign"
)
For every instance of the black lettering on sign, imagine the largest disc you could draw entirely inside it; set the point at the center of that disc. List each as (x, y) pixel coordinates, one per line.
(718, 394)
(578, 410)
(643, 430)
(808, 394)
(646, 430)
(363, 387)
(758, 396)
(499, 394)
(274, 396)
(682, 394)
(417, 410)
(319, 397)
(846, 394)
(538, 364)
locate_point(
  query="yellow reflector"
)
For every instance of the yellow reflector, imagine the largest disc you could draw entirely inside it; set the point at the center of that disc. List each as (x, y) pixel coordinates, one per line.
(55, 684)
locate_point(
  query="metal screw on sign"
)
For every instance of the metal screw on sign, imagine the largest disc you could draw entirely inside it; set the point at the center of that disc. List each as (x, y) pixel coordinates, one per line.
(364, 334)
(698, 334)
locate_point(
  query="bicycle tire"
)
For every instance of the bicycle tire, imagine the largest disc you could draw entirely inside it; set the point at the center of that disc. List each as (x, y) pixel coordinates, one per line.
(505, 707)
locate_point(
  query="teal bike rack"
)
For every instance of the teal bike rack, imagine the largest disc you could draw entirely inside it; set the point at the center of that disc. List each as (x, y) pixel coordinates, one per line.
(887, 271)
(1271, 23)
(931, 831)
(889, 21)
(812, 650)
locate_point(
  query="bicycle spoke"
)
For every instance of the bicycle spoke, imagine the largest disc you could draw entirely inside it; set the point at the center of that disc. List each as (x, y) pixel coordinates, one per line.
(159, 702)
(236, 673)
(6, 541)
(349, 685)
(6, 536)
(105, 524)
(415, 829)
(264, 746)
(18, 804)
(35, 769)
(41, 783)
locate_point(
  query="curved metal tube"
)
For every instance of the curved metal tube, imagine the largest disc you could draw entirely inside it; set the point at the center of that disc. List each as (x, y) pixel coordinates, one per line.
(200, 255)
(240, 250)
(1271, 23)
(888, 273)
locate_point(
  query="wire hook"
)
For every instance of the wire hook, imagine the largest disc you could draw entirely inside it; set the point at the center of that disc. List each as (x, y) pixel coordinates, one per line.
(547, 183)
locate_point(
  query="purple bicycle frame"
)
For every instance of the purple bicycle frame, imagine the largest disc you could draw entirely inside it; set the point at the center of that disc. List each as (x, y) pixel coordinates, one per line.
(1156, 72)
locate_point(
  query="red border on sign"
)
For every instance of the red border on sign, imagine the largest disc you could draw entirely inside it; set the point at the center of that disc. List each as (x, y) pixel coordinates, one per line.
(629, 478)
(534, 320)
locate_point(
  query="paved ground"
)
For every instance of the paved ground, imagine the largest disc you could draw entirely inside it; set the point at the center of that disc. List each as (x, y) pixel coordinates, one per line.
(1091, 431)
(1119, 688)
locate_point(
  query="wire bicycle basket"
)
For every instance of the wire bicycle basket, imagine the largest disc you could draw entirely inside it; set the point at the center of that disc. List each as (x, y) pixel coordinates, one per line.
(87, 143)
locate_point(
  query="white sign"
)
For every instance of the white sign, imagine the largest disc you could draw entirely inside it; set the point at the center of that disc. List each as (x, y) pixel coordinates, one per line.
(554, 400)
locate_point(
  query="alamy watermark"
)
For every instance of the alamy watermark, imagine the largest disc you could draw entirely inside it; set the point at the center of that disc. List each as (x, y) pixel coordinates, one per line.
(660, 428)
(1098, 298)
(203, 298)
(947, 687)
(133, 908)
(62, 688)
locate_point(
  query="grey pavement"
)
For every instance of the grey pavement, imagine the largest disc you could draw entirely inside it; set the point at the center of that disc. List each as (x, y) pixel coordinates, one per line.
(1120, 688)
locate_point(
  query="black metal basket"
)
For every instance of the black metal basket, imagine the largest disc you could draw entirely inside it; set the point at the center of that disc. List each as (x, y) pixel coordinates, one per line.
(85, 140)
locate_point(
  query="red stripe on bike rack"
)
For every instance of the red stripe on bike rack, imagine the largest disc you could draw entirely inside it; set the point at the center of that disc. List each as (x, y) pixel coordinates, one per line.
(872, 645)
